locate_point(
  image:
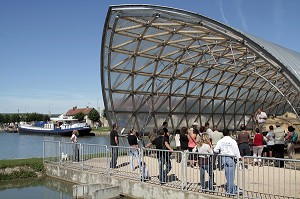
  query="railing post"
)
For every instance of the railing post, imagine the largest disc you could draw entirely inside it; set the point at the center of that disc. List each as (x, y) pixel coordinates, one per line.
(238, 176)
(243, 177)
(59, 152)
(184, 170)
(81, 156)
(141, 166)
(107, 160)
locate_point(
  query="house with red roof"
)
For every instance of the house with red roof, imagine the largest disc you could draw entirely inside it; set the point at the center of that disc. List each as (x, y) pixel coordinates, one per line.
(72, 112)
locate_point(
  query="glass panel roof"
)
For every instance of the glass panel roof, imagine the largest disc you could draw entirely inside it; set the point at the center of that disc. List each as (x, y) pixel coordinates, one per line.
(163, 64)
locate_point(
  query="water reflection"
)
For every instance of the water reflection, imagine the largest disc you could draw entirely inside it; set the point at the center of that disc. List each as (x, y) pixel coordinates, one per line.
(45, 188)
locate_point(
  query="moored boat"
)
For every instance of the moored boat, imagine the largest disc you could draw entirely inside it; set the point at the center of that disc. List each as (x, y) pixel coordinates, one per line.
(11, 129)
(53, 129)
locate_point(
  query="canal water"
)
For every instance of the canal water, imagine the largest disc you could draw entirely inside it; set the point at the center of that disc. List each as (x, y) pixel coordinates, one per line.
(45, 188)
(15, 146)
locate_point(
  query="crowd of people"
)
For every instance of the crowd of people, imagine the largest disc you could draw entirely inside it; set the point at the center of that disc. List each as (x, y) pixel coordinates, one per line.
(209, 143)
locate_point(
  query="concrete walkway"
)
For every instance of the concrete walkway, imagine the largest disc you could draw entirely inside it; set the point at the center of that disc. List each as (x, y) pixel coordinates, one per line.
(267, 181)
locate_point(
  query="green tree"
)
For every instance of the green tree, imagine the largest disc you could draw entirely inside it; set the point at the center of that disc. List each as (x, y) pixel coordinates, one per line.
(94, 116)
(39, 117)
(1, 119)
(7, 118)
(30, 117)
(15, 118)
(46, 118)
(22, 117)
(27, 117)
(79, 116)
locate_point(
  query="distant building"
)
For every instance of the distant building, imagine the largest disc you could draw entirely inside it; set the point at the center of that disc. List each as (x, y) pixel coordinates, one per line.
(72, 112)
(69, 116)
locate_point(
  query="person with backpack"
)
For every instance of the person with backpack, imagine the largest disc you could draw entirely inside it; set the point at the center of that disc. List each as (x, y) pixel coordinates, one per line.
(291, 139)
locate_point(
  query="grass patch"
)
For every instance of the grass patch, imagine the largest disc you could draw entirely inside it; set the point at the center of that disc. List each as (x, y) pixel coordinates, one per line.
(35, 163)
(18, 175)
(21, 168)
(101, 129)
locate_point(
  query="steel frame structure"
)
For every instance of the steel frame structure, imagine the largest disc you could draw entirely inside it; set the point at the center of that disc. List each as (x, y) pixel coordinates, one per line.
(164, 64)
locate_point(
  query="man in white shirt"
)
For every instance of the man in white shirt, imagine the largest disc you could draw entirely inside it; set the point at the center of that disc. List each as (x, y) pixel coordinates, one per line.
(261, 119)
(229, 150)
(279, 144)
(208, 130)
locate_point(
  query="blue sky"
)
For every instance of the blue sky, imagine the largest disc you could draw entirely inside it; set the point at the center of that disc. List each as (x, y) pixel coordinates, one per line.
(50, 50)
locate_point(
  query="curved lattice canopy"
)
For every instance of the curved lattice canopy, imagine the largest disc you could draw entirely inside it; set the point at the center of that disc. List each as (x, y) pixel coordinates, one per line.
(163, 64)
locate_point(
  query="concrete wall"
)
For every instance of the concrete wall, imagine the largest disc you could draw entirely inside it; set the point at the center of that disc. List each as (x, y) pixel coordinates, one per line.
(127, 187)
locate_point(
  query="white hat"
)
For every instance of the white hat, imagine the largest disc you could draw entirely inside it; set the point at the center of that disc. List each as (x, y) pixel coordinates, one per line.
(195, 124)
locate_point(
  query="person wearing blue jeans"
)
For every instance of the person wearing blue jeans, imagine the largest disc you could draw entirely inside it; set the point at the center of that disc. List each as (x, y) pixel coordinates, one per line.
(205, 153)
(230, 165)
(229, 151)
(134, 152)
(209, 168)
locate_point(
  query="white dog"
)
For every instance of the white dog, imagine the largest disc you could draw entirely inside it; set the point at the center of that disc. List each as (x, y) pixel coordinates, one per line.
(64, 156)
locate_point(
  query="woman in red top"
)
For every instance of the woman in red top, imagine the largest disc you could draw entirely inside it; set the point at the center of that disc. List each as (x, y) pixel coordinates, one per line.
(258, 146)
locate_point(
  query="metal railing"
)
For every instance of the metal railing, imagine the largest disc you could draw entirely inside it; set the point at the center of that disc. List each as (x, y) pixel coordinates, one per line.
(188, 171)
(270, 178)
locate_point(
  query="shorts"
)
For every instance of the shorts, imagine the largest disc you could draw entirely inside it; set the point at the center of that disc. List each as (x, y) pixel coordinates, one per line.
(265, 149)
(244, 149)
(270, 147)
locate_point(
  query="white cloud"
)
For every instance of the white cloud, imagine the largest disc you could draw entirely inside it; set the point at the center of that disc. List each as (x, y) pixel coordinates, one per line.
(241, 15)
(222, 12)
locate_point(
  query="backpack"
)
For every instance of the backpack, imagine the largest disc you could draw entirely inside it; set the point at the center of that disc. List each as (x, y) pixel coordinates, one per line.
(294, 137)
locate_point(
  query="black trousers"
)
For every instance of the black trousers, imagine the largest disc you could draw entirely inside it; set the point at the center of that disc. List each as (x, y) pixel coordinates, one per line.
(114, 157)
(279, 153)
